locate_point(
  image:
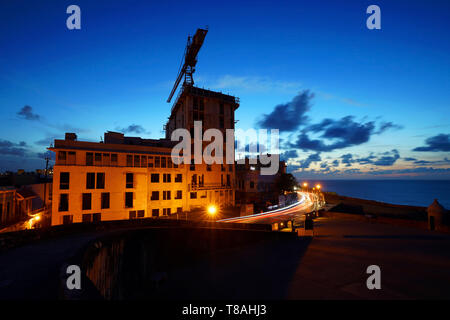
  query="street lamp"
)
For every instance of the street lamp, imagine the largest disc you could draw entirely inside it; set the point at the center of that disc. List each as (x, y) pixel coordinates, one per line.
(212, 210)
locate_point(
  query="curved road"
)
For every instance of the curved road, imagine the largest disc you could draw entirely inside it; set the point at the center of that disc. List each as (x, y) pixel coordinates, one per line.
(299, 208)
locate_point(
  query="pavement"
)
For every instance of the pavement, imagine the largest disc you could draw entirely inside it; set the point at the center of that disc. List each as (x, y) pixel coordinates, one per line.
(414, 263)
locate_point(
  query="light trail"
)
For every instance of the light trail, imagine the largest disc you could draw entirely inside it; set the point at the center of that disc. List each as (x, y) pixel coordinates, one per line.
(292, 208)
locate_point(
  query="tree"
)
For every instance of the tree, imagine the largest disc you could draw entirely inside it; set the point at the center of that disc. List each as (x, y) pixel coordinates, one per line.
(286, 182)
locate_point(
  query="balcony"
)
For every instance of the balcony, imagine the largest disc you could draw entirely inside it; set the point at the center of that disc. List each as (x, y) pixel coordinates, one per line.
(208, 186)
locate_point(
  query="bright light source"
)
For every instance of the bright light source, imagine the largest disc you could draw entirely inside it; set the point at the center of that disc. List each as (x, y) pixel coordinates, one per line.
(212, 210)
(305, 184)
(37, 218)
(318, 186)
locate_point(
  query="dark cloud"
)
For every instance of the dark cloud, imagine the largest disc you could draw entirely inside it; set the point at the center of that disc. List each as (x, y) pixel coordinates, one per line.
(27, 113)
(335, 163)
(315, 157)
(288, 116)
(388, 159)
(288, 155)
(347, 159)
(409, 159)
(133, 128)
(343, 133)
(441, 142)
(386, 126)
(13, 149)
(43, 155)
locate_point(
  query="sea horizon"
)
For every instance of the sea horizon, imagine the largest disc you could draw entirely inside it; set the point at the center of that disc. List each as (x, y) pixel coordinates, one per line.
(413, 192)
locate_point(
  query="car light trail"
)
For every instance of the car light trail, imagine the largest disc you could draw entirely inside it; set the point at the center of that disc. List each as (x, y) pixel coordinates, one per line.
(277, 212)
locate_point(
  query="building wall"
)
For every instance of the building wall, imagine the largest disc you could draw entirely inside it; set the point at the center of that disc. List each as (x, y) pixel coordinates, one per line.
(7, 206)
(142, 187)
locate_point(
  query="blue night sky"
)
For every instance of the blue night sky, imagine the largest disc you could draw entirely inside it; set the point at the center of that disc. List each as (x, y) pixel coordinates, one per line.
(350, 102)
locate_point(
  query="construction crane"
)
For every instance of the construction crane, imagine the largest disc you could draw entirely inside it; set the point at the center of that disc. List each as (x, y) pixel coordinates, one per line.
(190, 60)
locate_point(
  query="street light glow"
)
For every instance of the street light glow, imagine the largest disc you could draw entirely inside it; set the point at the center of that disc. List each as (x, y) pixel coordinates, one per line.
(318, 186)
(212, 210)
(305, 184)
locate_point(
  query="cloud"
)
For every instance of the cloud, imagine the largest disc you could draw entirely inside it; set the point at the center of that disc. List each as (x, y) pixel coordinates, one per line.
(133, 128)
(253, 84)
(342, 133)
(388, 125)
(13, 149)
(441, 142)
(335, 163)
(388, 159)
(409, 159)
(315, 157)
(288, 155)
(289, 116)
(347, 159)
(27, 113)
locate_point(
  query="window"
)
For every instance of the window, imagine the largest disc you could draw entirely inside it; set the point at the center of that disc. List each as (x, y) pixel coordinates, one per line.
(90, 180)
(98, 159)
(132, 214)
(166, 211)
(166, 177)
(89, 159)
(128, 199)
(62, 156)
(86, 217)
(193, 195)
(72, 157)
(163, 162)
(179, 177)
(64, 180)
(208, 167)
(63, 202)
(100, 180)
(144, 161)
(230, 167)
(150, 161)
(129, 180)
(129, 160)
(96, 217)
(106, 159)
(155, 212)
(166, 195)
(67, 219)
(252, 184)
(141, 213)
(105, 200)
(222, 167)
(155, 195)
(179, 210)
(169, 162)
(157, 162)
(154, 177)
(114, 159)
(87, 201)
(228, 180)
(137, 161)
(192, 166)
(179, 194)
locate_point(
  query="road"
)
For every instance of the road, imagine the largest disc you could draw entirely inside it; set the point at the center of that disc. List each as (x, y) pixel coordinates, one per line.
(304, 205)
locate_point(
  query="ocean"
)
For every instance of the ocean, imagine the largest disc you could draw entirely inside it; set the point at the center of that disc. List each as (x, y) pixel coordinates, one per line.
(407, 192)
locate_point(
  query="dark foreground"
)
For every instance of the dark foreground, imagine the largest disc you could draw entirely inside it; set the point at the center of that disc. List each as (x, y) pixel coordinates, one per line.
(253, 265)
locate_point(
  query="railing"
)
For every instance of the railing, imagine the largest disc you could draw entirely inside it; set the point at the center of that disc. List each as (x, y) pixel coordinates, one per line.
(208, 186)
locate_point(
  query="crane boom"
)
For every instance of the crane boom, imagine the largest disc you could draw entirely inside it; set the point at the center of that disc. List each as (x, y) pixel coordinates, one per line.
(190, 60)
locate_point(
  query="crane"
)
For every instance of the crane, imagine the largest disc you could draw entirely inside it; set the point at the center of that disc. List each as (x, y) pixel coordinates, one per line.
(190, 60)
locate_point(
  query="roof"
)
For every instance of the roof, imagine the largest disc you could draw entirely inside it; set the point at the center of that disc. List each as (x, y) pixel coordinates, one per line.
(436, 207)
